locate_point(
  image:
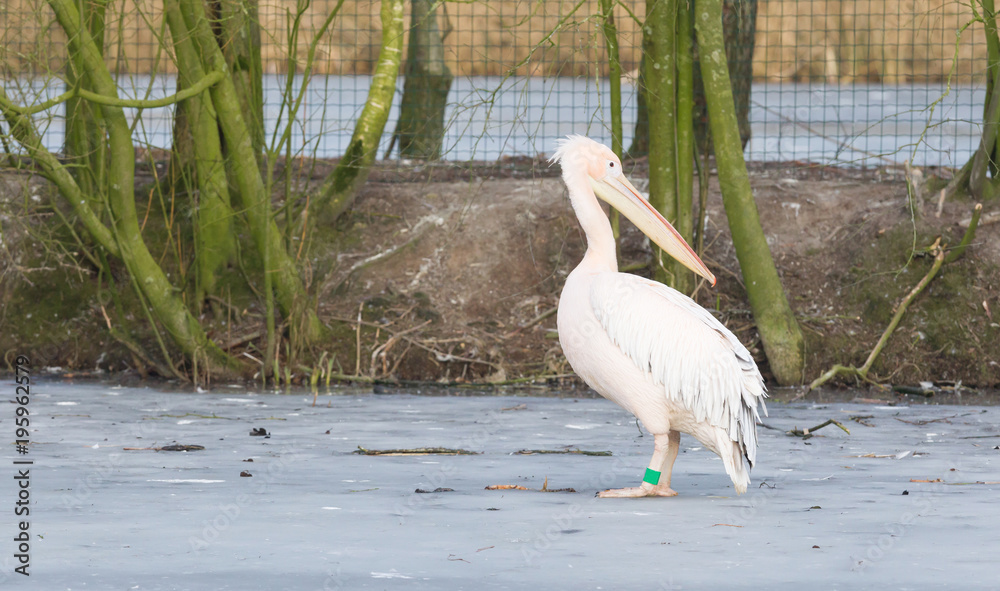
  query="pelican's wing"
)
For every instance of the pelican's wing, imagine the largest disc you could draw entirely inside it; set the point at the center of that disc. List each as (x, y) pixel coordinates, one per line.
(679, 344)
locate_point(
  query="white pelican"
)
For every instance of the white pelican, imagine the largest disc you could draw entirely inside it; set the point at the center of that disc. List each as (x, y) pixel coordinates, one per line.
(649, 348)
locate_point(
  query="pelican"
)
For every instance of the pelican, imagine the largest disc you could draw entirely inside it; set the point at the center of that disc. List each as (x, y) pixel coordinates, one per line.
(645, 346)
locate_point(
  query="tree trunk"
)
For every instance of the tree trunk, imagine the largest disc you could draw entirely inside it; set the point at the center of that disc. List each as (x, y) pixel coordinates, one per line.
(146, 274)
(684, 279)
(342, 186)
(85, 147)
(640, 137)
(739, 24)
(238, 31)
(615, 104)
(244, 170)
(214, 241)
(420, 129)
(992, 78)
(779, 331)
(181, 170)
(614, 74)
(979, 176)
(658, 49)
(670, 102)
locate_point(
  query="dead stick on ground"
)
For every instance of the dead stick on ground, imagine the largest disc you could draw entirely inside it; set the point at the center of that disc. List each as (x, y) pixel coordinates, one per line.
(532, 322)
(357, 354)
(545, 487)
(383, 349)
(809, 432)
(417, 451)
(940, 258)
(439, 355)
(582, 452)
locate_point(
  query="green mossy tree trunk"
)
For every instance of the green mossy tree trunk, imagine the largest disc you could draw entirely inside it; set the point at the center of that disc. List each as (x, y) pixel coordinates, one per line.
(146, 274)
(659, 71)
(685, 140)
(779, 331)
(420, 129)
(237, 27)
(669, 103)
(85, 148)
(615, 87)
(214, 239)
(640, 135)
(990, 114)
(181, 170)
(739, 25)
(614, 73)
(245, 174)
(340, 189)
(980, 176)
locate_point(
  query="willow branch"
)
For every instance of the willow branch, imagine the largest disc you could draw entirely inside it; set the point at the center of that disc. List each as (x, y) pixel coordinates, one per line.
(113, 101)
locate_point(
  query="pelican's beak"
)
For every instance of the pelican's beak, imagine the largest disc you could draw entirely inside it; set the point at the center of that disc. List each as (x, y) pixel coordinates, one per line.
(620, 193)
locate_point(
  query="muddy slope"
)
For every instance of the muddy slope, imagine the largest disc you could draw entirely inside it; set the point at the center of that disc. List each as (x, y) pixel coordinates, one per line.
(458, 280)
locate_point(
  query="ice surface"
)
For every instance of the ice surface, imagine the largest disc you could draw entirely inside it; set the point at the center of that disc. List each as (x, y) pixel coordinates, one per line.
(315, 515)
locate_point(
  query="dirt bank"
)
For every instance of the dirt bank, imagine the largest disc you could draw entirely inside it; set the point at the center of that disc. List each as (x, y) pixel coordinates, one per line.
(456, 276)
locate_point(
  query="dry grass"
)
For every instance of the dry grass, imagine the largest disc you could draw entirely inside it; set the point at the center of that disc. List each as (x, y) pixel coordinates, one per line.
(843, 41)
(865, 40)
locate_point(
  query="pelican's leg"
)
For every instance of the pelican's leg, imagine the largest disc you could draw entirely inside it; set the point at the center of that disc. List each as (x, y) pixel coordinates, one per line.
(664, 454)
(663, 488)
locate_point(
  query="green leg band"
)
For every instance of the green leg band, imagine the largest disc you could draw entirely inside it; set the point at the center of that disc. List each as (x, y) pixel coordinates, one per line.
(652, 477)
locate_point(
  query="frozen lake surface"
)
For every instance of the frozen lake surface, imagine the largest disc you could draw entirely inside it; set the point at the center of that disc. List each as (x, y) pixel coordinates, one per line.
(491, 117)
(836, 511)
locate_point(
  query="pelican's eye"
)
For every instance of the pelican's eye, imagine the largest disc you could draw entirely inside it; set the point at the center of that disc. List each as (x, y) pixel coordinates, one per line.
(613, 168)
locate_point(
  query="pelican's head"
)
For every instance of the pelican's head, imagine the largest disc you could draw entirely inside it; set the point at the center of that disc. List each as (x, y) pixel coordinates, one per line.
(588, 164)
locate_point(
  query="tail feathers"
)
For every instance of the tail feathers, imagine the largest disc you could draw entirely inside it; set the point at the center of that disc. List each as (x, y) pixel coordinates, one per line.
(736, 463)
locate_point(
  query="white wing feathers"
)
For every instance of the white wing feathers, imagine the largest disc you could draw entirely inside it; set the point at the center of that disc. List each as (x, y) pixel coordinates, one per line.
(679, 344)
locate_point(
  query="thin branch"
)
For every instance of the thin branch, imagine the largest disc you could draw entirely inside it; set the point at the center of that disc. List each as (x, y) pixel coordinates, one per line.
(111, 101)
(805, 433)
(940, 258)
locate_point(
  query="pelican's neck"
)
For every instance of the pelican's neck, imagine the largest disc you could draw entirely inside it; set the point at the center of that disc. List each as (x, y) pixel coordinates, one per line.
(601, 255)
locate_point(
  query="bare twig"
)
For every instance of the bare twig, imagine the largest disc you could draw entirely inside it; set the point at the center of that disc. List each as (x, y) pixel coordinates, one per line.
(545, 487)
(582, 452)
(532, 322)
(970, 233)
(357, 355)
(383, 349)
(172, 447)
(416, 451)
(416, 233)
(941, 256)
(809, 432)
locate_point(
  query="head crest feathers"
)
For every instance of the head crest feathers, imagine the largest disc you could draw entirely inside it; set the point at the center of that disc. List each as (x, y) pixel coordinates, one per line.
(566, 144)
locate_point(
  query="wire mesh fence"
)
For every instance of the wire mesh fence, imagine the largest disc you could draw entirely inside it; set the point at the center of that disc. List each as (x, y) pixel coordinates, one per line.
(851, 82)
